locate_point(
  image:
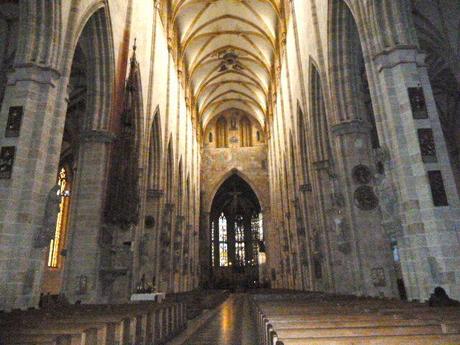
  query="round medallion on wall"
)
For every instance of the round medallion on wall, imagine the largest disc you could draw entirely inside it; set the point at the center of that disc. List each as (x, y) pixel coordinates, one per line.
(365, 198)
(361, 174)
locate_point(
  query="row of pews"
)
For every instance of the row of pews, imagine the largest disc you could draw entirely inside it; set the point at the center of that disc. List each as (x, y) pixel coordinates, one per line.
(133, 323)
(320, 319)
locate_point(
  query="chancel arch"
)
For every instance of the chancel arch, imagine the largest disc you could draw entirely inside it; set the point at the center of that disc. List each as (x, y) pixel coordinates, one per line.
(235, 235)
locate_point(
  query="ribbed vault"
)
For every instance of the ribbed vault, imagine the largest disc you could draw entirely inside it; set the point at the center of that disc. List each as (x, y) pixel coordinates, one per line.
(228, 51)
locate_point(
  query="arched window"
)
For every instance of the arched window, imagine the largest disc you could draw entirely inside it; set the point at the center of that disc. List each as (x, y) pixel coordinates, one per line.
(223, 244)
(245, 132)
(239, 241)
(57, 243)
(221, 132)
(210, 137)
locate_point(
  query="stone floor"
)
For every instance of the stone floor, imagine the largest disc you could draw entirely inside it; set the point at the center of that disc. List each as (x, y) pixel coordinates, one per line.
(232, 325)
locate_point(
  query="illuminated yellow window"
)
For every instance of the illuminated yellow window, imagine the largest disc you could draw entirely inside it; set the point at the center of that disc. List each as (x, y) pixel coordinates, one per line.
(58, 241)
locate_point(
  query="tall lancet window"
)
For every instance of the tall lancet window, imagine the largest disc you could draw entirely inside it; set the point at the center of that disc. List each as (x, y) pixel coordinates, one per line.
(221, 133)
(213, 251)
(223, 244)
(57, 243)
(239, 241)
(245, 132)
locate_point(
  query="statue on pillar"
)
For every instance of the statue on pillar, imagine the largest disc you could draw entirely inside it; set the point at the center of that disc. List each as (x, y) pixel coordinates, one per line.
(387, 194)
(47, 229)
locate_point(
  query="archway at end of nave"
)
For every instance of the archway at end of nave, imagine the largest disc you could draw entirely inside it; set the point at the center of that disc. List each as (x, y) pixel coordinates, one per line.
(236, 233)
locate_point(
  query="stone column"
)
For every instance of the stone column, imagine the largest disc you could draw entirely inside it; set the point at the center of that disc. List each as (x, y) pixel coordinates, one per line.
(368, 261)
(323, 206)
(306, 211)
(178, 247)
(165, 248)
(204, 242)
(38, 91)
(82, 277)
(429, 244)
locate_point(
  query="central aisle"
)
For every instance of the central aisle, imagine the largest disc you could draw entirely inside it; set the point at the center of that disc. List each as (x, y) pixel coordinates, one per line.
(232, 325)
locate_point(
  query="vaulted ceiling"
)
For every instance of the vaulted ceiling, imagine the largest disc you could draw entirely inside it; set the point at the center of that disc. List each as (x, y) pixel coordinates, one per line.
(228, 53)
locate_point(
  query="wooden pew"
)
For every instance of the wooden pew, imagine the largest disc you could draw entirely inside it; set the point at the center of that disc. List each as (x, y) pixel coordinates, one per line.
(139, 323)
(311, 319)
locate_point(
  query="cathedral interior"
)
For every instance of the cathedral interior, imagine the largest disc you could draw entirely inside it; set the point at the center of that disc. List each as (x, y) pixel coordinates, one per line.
(256, 160)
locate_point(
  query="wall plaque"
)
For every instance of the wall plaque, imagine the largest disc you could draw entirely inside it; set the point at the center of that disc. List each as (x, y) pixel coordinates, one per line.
(13, 125)
(361, 174)
(6, 161)
(438, 190)
(417, 103)
(365, 198)
(427, 146)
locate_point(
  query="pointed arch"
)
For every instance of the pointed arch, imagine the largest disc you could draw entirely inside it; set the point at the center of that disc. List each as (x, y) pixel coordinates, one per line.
(302, 138)
(318, 116)
(95, 22)
(234, 171)
(293, 163)
(180, 187)
(169, 172)
(350, 87)
(155, 149)
(188, 201)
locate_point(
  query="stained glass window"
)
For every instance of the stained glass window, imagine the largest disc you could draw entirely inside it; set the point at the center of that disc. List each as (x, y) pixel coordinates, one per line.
(223, 246)
(213, 252)
(57, 242)
(239, 241)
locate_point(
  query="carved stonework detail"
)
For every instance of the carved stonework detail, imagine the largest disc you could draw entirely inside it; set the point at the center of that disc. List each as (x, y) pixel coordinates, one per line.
(417, 103)
(378, 277)
(7, 154)
(365, 198)
(123, 199)
(169, 207)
